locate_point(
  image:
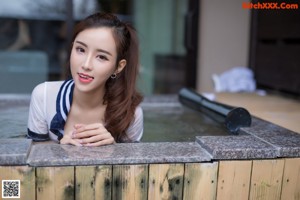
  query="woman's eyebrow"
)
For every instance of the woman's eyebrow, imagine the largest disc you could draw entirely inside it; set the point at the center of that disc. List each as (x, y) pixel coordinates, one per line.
(99, 50)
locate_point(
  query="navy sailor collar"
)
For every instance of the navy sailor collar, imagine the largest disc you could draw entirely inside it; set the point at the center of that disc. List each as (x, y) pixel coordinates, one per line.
(63, 106)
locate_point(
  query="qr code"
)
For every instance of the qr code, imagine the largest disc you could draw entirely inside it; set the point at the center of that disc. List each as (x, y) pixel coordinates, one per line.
(10, 189)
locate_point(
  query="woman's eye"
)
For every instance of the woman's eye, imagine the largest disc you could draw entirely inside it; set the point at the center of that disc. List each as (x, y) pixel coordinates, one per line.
(79, 49)
(102, 57)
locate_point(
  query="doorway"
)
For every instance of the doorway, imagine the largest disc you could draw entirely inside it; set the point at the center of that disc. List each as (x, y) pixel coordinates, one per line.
(168, 33)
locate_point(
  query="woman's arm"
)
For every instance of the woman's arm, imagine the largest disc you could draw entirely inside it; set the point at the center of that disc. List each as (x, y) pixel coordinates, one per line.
(37, 123)
(136, 128)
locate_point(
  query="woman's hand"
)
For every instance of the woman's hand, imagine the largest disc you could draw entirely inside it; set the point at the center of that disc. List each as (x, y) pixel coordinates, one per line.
(92, 135)
(67, 139)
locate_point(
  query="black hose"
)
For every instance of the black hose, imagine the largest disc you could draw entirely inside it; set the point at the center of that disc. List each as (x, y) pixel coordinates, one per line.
(232, 117)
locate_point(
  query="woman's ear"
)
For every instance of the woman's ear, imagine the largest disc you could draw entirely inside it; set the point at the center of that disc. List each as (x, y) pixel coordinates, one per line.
(121, 65)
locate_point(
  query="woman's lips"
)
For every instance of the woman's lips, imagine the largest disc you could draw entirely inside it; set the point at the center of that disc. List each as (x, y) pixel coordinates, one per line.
(84, 78)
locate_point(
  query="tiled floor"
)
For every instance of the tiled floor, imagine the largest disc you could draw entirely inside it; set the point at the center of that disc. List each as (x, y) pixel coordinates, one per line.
(280, 110)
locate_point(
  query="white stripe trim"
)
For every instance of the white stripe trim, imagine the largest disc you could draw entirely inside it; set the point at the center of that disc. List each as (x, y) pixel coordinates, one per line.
(68, 96)
(63, 114)
(140, 135)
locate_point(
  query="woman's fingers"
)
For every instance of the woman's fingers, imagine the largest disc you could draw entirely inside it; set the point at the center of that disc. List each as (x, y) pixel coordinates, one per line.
(76, 142)
(89, 131)
(81, 127)
(77, 126)
(97, 138)
(91, 135)
(101, 143)
(68, 140)
(86, 134)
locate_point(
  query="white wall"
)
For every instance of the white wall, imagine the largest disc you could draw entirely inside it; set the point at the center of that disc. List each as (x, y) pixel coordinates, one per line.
(223, 39)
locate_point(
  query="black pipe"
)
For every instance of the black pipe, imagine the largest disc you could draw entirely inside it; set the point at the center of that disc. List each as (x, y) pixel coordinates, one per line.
(232, 117)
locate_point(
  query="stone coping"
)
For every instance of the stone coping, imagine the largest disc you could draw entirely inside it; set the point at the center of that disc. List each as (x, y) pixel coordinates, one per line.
(133, 153)
(53, 154)
(14, 151)
(263, 140)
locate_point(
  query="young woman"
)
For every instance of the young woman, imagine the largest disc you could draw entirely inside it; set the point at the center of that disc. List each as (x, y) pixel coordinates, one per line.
(100, 104)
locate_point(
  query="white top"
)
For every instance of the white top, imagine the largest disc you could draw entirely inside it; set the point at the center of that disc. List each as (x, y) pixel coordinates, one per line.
(49, 106)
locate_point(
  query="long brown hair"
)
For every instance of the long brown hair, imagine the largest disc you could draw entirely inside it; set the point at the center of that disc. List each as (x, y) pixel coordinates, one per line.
(121, 96)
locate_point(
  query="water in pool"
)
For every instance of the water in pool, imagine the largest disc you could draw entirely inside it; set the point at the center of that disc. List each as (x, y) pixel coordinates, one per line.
(162, 123)
(178, 124)
(13, 116)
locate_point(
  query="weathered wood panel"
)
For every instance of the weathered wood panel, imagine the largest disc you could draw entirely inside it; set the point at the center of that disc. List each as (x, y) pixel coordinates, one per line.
(165, 181)
(291, 179)
(257, 179)
(200, 181)
(266, 179)
(130, 182)
(93, 182)
(233, 180)
(55, 183)
(25, 174)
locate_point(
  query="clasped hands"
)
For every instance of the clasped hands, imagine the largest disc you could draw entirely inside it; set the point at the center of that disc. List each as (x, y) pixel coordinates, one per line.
(88, 135)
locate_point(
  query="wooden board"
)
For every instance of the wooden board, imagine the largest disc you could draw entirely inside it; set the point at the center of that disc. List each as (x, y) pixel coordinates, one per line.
(165, 181)
(25, 174)
(200, 181)
(93, 182)
(291, 179)
(55, 183)
(233, 180)
(130, 182)
(266, 179)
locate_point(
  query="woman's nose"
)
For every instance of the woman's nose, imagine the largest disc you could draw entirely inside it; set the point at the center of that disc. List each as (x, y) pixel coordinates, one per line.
(87, 64)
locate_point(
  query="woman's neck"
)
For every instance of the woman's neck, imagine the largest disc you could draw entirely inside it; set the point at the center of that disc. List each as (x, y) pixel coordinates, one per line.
(88, 100)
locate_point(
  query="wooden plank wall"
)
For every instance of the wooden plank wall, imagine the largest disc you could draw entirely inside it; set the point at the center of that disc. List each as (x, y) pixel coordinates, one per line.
(257, 179)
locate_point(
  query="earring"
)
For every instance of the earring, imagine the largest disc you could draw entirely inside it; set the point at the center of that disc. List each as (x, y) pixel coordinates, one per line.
(113, 76)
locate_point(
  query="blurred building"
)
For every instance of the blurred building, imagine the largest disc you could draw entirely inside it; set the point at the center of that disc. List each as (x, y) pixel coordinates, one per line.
(183, 42)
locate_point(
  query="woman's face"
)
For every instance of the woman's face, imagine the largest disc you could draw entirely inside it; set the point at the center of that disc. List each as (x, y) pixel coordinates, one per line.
(93, 59)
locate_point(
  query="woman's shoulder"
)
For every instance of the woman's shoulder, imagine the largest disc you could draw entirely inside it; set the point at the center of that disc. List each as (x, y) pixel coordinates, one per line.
(42, 89)
(138, 111)
(45, 86)
(53, 84)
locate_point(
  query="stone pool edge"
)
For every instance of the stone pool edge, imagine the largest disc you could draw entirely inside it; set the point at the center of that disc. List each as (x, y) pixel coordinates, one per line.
(263, 140)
